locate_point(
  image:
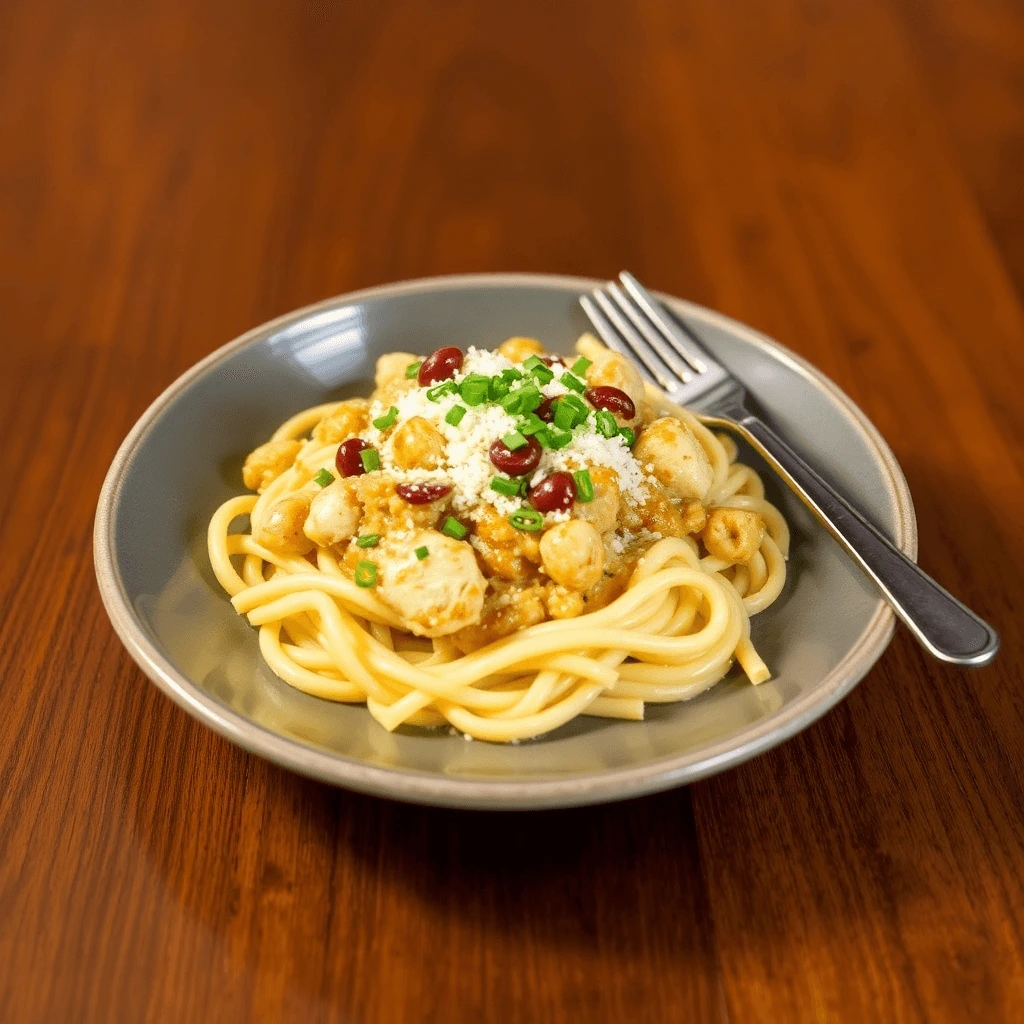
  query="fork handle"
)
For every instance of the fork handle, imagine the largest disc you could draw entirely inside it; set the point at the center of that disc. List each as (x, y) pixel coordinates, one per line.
(948, 629)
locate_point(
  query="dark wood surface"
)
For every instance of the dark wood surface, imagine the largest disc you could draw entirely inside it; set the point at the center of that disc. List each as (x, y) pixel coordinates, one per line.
(846, 176)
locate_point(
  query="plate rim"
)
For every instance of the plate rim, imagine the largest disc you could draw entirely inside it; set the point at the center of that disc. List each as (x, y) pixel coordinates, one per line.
(491, 794)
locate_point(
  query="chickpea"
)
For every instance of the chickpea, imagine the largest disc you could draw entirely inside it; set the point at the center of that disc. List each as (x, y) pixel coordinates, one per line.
(614, 370)
(562, 602)
(516, 350)
(603, 510)
(346, 421)
(268, 462)
(437, 595)
(281, 530)
(676, 458)
(733, 534)
(334, 514)
(572, 554)
(392, 367)
(417, 444)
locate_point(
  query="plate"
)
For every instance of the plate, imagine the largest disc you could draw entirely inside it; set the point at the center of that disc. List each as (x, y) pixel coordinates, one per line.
(184, 457)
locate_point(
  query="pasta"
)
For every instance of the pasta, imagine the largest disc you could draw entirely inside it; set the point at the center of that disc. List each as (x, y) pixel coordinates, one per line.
(498, 542)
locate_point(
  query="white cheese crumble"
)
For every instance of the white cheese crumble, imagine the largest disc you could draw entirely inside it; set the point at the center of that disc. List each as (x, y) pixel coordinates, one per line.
(468, 467)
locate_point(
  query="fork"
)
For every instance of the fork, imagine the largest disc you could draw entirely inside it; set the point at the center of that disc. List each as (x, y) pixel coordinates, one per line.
(630, 320)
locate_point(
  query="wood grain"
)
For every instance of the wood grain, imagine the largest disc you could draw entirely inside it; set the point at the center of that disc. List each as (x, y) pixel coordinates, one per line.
(844, 176)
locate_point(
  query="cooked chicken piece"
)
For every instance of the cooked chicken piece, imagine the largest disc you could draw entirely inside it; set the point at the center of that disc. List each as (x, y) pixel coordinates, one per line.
(346, 421)
(334, 513)
(671, 451)
(268, 462)
(505, 551)
(281, 529)
(515, 350)
(392, 367)
(508, 607)
(733, 534)
(436, 595)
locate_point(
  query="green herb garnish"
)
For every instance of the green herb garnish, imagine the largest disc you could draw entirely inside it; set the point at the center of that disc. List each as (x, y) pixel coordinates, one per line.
(385, 421)
(323, 478)
(513, 440)
(584, 485)
(455, 414)
(438, 391)
(581, 366)
(502, 484)
(368, 540)
(370, 458)
(606, 424)
(365, 574)
(572, 383)
(412, 370)
(453, 528)
(629, 434)
(526, 519)
(421, 553)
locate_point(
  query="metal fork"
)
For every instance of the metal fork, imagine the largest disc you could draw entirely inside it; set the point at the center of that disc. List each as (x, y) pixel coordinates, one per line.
(630, 320)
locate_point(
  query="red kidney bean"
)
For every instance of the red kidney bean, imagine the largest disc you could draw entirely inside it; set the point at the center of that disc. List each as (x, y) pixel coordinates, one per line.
(423, 493)
(544, 410)
(615, 400)
(347, 460)
(555, 493)
(440, 365)
(519, 462)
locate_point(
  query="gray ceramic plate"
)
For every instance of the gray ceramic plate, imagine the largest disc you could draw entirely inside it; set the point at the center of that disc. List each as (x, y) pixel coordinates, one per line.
(184, 457)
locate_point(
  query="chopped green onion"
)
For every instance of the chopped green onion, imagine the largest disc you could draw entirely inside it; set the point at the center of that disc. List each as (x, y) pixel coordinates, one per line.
(324, 477)
(474, 389)
(412, 370)
(530, 398)
(366, 574)
(629, 434)
(510, 375)
(421, 553)
(581, 366)
(438, 391)
(497, 389)
(503, 485)
(368, 540)
(526, 519)
(573, 383)
(370, 458)
(530, 424)
(576, 403)
(532, 362)
(553, 438)
(565, 416)
(584, 485)
(385, 421)
(606, 424)
(453, 528)
(455, 414)
(513, 440)
(524, 486)
(543, 374)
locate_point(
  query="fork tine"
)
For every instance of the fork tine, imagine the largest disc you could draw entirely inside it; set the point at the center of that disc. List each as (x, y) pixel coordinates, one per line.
(669, 331)
(632, 344)
(668, 356)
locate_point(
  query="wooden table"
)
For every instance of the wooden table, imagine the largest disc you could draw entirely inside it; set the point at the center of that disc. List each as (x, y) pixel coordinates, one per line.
(846, 176)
